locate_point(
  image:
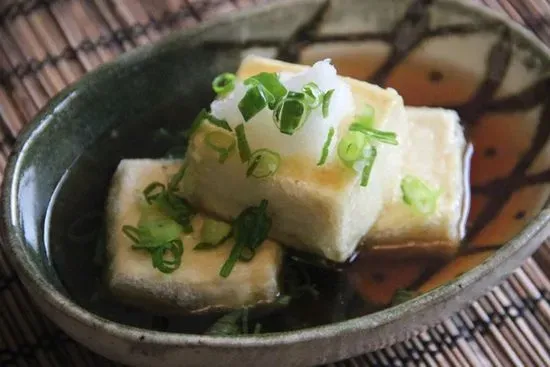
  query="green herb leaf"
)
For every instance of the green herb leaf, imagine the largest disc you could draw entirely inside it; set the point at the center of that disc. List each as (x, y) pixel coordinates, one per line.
(381, 136)
(224, 84)
(263, 163)
(234, 256)
(326, 102)
(242, 144)
(271, 82)
(369, 162)
(418, 195)
(326, 146)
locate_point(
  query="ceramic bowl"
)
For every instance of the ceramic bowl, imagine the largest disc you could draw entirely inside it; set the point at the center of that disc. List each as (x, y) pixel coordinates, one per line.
(111, 113)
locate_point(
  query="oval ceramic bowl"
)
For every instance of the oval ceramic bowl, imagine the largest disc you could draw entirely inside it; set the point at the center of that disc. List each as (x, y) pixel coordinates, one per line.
(166, 84)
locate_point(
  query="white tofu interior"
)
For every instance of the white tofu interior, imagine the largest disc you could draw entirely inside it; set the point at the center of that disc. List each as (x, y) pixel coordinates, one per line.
(434, 153)
(323, 209)
(196, 285)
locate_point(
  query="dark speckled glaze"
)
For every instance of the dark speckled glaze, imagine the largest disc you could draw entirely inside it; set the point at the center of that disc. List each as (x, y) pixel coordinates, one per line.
(166, 84)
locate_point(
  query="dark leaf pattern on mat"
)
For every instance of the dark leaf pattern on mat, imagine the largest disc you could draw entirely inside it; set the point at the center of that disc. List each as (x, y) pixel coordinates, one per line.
(511, 324)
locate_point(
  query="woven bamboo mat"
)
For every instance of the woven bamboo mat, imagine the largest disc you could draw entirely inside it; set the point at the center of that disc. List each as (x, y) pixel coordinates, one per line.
(46, 45)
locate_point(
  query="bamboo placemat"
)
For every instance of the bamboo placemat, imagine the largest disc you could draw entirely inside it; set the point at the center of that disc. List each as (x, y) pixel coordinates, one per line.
(46, 45)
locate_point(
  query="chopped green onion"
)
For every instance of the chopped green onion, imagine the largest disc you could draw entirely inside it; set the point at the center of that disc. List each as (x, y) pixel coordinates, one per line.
(197, 122)
(214, 231)
(218, 122)
(176, 179)
(326, 146)
(163, 230)
(255, 100)
(201, 246)
(176, 208)
(222, 143)
(175, 248)
(159, 239)
(131, 232)
(369, 162)
(271, 82)
(366, 118)
(153, 191)
(242, 143)
(290, 114)
(224, 83)
(234, 256)
(313, 95)
(263, 163)
(381, 136)
(250, 228)
(401, 296)
(227, 325)
(419, 195)
(326, 102)
(350, 148)
(205, 115)
(247, 254)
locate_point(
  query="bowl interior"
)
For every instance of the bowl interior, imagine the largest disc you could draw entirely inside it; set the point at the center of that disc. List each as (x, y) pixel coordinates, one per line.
(446, 54)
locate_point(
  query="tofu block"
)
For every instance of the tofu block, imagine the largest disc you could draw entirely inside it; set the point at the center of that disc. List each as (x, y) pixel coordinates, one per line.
(321, 210)
(434, 153)
(196, 285)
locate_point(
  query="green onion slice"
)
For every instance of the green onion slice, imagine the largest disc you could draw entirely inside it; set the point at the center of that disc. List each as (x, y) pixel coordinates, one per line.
(175, 180)
(242, 143)
(263, 163)
(247, 254)
(250, 229)
(173, 249)
(159, 238)
(366, 117)
(369, 162)
(197, 122)
(214, 231)
(350, 148)
(153, 191)
(313, 94)
(402, 295)
(222, 143)
(255, 100)
(381, 136)
(419, 195)
(326, 102)
(326, 146)
(218, 122)
(224, 84)
(271, 82)
(291, 114)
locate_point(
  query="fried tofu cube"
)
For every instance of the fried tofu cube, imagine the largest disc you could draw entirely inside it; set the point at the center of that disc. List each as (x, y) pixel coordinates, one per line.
(317, 209)
(434, 153)
(196, 285)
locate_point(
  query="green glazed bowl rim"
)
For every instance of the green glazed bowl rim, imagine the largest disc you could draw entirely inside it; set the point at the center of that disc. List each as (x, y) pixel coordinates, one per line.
(528, 240)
